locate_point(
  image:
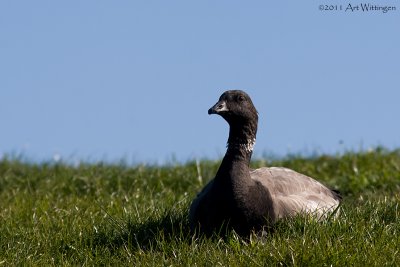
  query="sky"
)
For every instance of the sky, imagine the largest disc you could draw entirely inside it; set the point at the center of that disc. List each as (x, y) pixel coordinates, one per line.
(133, 80)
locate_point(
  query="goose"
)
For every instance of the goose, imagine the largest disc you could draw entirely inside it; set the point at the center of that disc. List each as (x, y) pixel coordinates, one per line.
(248, 200)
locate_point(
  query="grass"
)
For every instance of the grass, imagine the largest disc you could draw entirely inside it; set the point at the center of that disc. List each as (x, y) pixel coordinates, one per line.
(103, 214)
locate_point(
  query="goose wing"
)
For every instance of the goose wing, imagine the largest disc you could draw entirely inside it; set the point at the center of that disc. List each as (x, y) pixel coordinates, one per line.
(293, 192)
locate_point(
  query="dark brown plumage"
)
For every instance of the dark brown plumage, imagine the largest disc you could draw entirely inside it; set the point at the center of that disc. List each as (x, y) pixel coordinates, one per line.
(245, 199)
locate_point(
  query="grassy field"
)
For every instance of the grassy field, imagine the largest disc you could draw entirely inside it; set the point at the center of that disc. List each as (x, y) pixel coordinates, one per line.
(102, 214)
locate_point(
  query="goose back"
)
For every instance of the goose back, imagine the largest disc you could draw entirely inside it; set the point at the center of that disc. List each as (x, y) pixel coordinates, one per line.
(294, 193)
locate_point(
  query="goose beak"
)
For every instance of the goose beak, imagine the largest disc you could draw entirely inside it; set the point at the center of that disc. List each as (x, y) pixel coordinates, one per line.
(218, 108)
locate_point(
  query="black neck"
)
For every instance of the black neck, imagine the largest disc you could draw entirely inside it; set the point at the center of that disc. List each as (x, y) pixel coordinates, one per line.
(242, 132)
(239, 151)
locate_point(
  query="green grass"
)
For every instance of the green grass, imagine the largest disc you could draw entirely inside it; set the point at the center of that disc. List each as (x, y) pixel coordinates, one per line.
(103, 214)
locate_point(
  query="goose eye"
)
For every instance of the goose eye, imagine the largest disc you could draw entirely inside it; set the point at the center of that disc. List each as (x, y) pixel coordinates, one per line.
(240, 98)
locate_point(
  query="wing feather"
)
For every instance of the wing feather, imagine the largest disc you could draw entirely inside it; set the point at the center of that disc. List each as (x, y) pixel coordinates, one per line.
(293, 192)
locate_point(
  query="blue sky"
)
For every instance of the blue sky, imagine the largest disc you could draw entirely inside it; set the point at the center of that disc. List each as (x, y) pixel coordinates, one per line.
(110, 80)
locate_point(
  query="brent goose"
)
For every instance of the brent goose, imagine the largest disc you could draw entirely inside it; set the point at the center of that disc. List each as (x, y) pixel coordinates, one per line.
(245, 199)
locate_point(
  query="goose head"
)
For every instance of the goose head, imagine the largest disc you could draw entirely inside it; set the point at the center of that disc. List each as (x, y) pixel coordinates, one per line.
(235, 106)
